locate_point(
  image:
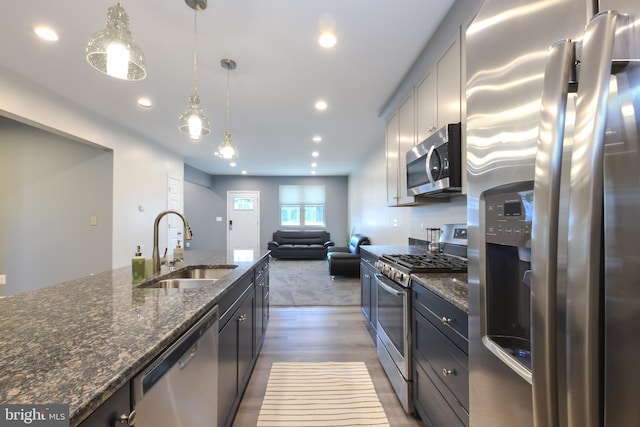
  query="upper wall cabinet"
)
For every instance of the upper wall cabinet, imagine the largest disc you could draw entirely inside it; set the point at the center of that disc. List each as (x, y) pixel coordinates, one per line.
(401, 137)
(434, 102)
(439, 94)
(426, 106)
(392, 160)
(449, 83)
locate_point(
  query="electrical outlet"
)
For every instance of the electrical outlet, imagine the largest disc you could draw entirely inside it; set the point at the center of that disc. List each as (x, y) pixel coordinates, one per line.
(3, 279)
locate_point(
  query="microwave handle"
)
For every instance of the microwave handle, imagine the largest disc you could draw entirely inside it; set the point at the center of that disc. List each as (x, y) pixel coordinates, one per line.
(428, 164)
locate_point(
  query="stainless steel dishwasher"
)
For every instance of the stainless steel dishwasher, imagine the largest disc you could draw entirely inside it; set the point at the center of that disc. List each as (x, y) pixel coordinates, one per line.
(180, 387)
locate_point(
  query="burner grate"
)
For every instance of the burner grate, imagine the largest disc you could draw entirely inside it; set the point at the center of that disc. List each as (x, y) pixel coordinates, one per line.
(436, 263)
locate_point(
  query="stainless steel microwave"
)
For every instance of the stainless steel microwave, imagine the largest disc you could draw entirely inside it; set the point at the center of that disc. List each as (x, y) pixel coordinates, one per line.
(434, 166)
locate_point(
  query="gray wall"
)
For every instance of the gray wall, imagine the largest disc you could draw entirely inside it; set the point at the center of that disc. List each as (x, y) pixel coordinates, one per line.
(50, 186)
(205, 198)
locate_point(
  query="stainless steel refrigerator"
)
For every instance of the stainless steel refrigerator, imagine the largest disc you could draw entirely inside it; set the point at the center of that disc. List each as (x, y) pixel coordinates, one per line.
(553, 163)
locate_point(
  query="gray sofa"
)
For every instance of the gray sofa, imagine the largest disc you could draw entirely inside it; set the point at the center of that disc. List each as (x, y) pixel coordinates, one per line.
(294, 244)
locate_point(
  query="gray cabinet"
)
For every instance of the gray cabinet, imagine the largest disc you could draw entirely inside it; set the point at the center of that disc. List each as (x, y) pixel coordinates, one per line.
(262, 302)
(368, 294)
(433, 103)
(426, 106)
(392, 149)
(235, 347)
(440, 360)
(401, 137)
(449, 83)
(115, 408)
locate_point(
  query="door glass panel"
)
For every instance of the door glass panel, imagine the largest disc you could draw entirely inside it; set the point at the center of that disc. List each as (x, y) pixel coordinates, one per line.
(243, 203)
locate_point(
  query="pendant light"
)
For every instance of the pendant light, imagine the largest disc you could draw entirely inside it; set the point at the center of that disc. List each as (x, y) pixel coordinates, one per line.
(113, 51)
(193, 121)
(226, 149)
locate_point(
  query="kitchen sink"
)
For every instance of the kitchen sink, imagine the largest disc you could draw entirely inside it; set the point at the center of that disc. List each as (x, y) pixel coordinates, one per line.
(191, 277)
(180, 283)
(196, 272)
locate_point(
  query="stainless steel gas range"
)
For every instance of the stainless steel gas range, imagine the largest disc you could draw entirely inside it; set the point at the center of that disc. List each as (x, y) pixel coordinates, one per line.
(394, 302)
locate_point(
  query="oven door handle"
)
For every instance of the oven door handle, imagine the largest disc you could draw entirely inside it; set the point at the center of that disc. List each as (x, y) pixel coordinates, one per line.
(387, 288)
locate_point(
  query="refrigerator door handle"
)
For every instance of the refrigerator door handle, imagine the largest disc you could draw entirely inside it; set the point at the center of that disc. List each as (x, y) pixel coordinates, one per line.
(544, 252)
(607, 36)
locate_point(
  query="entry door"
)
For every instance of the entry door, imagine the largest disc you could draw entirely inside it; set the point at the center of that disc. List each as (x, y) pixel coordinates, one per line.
(243, 221)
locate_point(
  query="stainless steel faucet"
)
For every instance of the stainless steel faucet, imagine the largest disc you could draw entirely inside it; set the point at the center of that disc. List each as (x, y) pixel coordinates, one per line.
(187, 235)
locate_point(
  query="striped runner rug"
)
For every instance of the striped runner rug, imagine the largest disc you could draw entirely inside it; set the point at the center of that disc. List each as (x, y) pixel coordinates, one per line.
(320, 394)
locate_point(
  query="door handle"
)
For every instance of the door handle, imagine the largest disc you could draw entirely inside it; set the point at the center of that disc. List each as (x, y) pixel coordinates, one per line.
(606, 40)
(428, 165)
(230, 225)
(546, 190)
(184, 360)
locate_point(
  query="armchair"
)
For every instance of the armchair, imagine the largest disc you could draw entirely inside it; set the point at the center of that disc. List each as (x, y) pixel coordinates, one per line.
(345, 261)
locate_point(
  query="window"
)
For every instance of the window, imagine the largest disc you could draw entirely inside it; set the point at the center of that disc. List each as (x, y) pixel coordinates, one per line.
(302, 205)
(243, 203)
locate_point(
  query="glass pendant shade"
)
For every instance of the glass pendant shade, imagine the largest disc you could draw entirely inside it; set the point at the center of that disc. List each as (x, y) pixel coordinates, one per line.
(193, 121)
(226, 149)
(113, 51)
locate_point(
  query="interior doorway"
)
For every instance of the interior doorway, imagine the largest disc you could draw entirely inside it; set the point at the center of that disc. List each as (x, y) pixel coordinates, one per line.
(243, 222)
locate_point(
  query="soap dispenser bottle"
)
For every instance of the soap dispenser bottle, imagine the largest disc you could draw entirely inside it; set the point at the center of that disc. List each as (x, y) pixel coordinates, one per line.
(138, 266)
(178, 256)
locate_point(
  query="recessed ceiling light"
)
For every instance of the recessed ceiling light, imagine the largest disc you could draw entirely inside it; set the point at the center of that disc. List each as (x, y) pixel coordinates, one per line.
(314, 165)
(144, 102)
(244, 172)
(313, 172)
(321, 105)
(317, 138)
(315, 154)
(46, 33)
(327, 40)
(232, 164)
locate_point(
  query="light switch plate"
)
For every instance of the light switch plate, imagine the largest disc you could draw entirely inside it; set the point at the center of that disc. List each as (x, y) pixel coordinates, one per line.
(3, 279)
(93, 220)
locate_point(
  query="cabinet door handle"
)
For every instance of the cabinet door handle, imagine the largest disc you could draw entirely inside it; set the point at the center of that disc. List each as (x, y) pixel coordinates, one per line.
(448, 372)
(446, 320)
(129, 420)
(242, 318)
(367, 276)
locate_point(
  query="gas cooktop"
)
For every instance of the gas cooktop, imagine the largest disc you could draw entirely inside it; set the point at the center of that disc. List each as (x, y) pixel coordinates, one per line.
(427, 263)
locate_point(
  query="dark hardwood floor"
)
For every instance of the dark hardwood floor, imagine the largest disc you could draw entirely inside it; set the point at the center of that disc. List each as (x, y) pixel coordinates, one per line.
(318, 334)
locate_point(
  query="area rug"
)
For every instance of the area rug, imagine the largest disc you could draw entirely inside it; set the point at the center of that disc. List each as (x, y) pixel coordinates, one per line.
(320, 394)
(308, 283)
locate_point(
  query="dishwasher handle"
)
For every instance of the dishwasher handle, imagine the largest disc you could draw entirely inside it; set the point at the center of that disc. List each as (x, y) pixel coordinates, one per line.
(181, 352)
(184, 360)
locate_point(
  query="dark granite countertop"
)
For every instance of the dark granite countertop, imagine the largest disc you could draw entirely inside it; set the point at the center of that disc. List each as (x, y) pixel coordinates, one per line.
(78, 342)
(452, 287)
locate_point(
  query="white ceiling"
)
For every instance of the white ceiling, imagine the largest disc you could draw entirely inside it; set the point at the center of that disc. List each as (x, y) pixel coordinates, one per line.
(281, 72)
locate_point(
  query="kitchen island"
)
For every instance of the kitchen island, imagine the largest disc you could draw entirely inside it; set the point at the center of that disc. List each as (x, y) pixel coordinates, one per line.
(80, 341)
